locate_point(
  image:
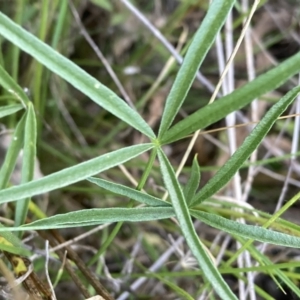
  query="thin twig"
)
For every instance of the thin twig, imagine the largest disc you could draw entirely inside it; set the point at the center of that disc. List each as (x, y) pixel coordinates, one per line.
(74, 240)
(47, 271)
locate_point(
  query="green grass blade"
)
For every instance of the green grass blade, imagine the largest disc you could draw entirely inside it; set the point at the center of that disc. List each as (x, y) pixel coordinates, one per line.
(236, 100)
(9, 109)
(12, 153)
(19, 12)
(73, 174)
(60, 24)
(39, 101)
(128, 192)
(93, 217)
(271, 221)
(265, 261)
(227, 171)
(192, 185)
(173, 286)
(202, 42)
(247, 231)
(188, 230)
(28, 162)
(73, 74)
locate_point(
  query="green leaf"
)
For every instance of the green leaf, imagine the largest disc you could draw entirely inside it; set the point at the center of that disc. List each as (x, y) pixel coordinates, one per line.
(81, 80)
(73, 174)
(182, 213)
(228, 170)
(247, 231)
(202, 42)
(12, 87)
(93, 217)
(128, 192)
(28, 162)
(14, 249)
(192, 185)
(236, 100)
(10, 243)
(29, 149)
(9, 109)
(12, 153)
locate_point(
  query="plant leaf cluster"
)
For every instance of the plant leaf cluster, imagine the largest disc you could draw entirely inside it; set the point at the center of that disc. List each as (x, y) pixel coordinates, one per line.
(183, 202)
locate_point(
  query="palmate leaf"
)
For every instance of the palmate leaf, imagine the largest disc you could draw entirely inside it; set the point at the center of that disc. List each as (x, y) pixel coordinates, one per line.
(73, 174)
(73, 74)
